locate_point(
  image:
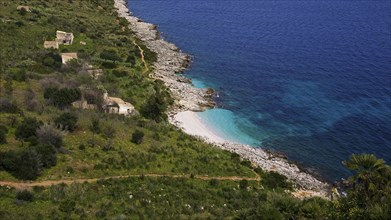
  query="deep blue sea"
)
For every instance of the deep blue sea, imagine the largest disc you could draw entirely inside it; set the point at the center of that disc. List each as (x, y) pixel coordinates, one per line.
(311, 79)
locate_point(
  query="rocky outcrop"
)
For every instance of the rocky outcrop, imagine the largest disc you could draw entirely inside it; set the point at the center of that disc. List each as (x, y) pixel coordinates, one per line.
(170, 61)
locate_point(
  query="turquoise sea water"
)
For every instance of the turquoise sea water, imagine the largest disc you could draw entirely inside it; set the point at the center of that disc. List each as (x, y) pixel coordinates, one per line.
(311, 79)
(224, 123)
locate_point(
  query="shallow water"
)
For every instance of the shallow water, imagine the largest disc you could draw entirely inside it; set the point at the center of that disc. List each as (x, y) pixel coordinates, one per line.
(311, 79)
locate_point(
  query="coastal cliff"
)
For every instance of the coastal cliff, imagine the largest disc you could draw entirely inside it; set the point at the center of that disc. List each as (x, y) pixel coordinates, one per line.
(170, 61)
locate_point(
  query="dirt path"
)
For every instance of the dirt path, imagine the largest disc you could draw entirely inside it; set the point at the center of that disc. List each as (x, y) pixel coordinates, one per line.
(25, 185)
(146, 69)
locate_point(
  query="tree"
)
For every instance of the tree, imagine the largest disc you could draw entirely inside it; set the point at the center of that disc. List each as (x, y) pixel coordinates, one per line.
(8, 86)
(30, 101)
(47, 154)
(52, 59)
(62, 97)
(110, 54)
(3, 133)
(67, 121)
(369, 175)
(157, 104)
(49, 135)
(27, 129)
(22, 11)
(8, 107)
(368, 190)
(95, 126)
(137, 137)
(29, 165)
(24, 195)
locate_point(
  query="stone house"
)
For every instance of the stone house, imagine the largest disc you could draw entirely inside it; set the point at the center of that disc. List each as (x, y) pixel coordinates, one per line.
(64, 37)
(83, 104)
(23, 7)
(115, 105)
(66, 57)
(50, 44)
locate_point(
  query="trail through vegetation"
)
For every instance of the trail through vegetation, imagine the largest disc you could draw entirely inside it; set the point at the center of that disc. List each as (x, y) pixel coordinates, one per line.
(24, 185)
(146, 69)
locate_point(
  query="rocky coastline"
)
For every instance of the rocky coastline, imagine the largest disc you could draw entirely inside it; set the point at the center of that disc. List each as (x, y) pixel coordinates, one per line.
(170, 62)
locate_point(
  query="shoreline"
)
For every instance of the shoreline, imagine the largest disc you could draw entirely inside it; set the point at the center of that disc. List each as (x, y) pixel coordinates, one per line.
(170, 61)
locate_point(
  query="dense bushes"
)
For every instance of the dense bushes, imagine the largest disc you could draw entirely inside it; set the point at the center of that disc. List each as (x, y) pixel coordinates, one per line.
(137, 137)
(24, 195)
(47, 154)
(28, 163)
(120, 72)
(24, 164)
(66, 121)
(8, 107)
(18, 74)
(368, 190)
(110, 54)
(49, 135)
(52, 60)
(273, 180)
(27, 130)
(156, 105)
(62, 97)
(3, 133)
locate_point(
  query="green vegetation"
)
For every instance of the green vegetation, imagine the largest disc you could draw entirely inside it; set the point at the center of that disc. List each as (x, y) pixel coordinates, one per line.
(44, 138)
(39, 124)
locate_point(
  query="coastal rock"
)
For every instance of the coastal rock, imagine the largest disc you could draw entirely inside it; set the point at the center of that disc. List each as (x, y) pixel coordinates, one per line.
(170, 60)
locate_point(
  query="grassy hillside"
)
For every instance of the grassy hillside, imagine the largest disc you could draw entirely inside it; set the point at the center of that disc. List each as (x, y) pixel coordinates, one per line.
(171, 175)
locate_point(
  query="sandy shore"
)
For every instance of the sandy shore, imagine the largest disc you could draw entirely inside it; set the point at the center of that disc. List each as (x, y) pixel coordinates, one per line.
(170, 60)
(192, 124)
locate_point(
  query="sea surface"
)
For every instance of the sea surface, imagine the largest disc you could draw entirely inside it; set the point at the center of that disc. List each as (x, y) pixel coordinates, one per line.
(311, 79)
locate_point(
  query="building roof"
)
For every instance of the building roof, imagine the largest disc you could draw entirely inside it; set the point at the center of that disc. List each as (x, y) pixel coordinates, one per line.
(68, 56)
(50, 44)
(25, 7)
(119, 101)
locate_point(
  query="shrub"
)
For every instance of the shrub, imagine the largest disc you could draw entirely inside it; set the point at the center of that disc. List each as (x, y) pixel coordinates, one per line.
(137, 137)
(110, 54)
(95, 126)
(108, 65)
(24, 195)
(18, 74)
(243, 184)
(109, 131)
(27, 129)
(24, 164)
(23, 11)
(156, 106)
(67, 121)
(3, 133)
(275, 180)
(213, 182)
(62, 97)
(49, 135)
(52, 59)
(120, 72)
(47, 155)
(67, 206)
(8, 107)
(30, 101)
